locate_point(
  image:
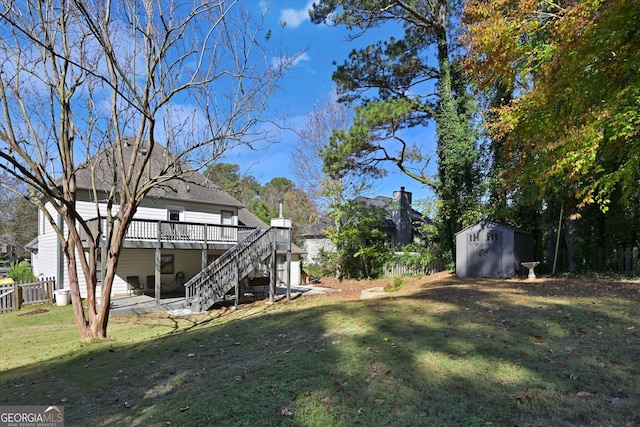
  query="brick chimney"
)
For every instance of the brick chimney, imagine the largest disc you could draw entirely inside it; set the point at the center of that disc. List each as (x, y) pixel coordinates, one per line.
(401, 215)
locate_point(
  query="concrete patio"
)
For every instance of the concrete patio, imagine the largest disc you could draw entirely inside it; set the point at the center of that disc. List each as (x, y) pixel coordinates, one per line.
(140, 304)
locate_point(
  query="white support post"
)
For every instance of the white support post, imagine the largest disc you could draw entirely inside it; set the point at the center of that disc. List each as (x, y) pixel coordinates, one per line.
(158, 276)
(237, 281)
(273, 273)
(288, 273)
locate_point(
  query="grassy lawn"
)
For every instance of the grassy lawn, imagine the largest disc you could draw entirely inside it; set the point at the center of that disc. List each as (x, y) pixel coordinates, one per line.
(439, 351)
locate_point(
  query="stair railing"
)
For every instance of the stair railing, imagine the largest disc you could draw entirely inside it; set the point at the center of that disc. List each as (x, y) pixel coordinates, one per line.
(211, 284)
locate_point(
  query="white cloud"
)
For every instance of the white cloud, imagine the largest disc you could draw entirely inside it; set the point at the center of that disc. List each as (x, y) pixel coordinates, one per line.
(293, 18)
(300, 58)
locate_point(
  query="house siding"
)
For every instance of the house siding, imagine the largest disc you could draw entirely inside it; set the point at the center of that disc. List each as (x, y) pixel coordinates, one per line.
(157, 210)
(313, 248)
(45, 264)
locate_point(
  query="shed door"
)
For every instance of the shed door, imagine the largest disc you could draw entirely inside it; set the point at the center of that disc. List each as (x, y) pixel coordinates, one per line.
(484, 253)
(492, 253)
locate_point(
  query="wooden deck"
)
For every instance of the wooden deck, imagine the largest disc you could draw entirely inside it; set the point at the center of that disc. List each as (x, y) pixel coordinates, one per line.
(175, 234)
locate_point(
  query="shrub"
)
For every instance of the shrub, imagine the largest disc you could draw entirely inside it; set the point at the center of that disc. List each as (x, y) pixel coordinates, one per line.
(326, 263)
(21, 272)
(396, 285)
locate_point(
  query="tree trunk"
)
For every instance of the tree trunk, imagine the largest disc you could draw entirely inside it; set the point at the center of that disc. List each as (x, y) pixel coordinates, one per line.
(446, 110)
(92, 324)
(550, 241)
(74, 288)
(570, 228)
(102, 316)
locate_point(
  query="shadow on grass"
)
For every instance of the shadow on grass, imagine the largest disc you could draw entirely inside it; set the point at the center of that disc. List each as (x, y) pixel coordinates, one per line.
(458, 352)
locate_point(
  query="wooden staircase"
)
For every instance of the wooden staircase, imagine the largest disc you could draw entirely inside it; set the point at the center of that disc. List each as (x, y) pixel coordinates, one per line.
(218, 278)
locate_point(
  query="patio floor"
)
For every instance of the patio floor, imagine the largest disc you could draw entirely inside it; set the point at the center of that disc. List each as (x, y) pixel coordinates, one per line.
(140, 304)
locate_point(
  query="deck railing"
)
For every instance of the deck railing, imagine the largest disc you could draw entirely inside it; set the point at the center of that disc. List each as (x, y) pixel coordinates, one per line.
(176, 231)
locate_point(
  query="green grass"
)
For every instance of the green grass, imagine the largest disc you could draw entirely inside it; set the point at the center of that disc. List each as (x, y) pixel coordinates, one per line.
(446, 352)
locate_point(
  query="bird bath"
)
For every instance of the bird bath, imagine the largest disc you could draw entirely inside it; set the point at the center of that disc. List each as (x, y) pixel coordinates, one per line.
(531, 265)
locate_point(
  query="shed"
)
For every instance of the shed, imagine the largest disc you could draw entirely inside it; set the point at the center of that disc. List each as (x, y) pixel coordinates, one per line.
(490, 249)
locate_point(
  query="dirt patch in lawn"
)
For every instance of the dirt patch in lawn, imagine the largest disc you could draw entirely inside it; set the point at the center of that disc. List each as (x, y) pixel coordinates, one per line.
(352, 289)
(34, 312)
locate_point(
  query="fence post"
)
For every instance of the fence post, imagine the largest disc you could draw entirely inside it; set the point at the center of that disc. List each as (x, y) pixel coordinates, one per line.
(602, 259)
(620, 260)
(49, 285)
(16, 296)
(634, 265)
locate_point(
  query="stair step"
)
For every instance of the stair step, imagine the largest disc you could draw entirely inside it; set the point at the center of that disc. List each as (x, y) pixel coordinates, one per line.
(211, 284)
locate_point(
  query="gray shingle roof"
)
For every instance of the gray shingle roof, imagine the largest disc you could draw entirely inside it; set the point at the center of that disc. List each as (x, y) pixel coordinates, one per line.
(383, 202)
(248, 219)
(192, 186)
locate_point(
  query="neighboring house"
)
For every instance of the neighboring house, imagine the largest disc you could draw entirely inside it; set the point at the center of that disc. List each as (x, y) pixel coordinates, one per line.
(401, 225)
(490, 249)
(178, 230)
(7, 248)
(314, 241)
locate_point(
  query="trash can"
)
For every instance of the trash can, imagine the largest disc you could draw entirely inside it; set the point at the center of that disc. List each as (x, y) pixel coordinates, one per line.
(62, 296)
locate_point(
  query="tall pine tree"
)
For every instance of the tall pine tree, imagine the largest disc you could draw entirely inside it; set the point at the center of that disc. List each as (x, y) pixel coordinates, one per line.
(403, 83)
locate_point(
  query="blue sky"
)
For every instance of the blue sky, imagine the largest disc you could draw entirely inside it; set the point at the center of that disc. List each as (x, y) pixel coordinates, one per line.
(307, 84)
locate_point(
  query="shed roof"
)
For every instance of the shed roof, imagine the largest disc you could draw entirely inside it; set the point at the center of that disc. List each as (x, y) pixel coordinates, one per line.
(496, 224)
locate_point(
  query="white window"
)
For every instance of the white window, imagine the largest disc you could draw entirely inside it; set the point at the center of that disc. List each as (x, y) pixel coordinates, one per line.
(226, 218)
(175, 213)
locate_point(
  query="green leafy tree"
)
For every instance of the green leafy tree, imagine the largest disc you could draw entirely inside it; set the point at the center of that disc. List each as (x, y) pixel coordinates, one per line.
(273, 192)
(264, 201)
(569, 134)
(24, 223)
(297, 205)
(398, 85)
(360, 244)
(227, 176)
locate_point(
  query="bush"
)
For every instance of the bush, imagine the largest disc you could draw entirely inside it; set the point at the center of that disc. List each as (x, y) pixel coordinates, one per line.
(396, 285)
(325, 264)
(21, 272)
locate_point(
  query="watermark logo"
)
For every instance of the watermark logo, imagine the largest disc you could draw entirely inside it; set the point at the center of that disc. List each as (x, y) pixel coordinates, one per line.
(31, 416)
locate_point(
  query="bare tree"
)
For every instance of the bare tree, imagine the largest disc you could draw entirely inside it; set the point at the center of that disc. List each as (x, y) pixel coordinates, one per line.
(308, 155)
(334, 195)
(131, 77)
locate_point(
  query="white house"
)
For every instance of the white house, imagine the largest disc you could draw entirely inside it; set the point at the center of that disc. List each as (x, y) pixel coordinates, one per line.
(184, 224)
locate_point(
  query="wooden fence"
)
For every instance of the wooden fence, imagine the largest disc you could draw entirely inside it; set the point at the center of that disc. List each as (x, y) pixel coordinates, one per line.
(620, 260)
(15, 295)
(399, 268)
